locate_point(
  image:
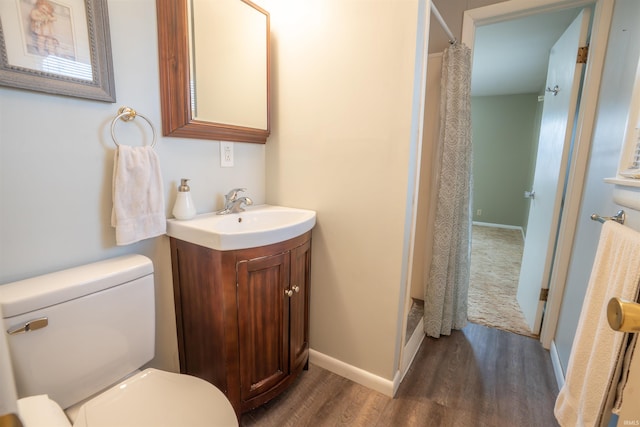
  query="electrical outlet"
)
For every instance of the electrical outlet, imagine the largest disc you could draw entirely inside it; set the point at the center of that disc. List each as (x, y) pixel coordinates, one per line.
(226, 154)
(479, 212)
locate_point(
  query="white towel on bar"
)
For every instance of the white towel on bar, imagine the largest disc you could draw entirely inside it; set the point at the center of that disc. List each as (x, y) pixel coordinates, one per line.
(598, 352)
(138, 199)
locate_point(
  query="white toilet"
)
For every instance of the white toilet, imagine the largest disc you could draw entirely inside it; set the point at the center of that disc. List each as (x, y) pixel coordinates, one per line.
(75, 334)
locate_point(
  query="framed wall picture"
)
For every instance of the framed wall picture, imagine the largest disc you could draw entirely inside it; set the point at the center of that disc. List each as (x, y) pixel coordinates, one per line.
(57, 46)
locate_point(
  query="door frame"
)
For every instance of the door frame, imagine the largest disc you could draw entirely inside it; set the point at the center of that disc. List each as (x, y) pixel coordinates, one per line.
(587, 107)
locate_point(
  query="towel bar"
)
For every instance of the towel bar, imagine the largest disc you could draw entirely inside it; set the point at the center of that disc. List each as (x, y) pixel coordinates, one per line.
(623, 316)
(619, 217)
(127, 114)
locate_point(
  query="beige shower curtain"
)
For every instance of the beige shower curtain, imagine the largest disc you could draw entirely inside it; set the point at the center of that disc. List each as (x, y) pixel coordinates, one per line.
(447, 283)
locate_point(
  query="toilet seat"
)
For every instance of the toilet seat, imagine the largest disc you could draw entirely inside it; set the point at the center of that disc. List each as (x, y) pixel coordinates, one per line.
(158, 398)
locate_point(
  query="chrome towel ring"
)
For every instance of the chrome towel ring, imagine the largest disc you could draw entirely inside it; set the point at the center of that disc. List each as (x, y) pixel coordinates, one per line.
(127, 114)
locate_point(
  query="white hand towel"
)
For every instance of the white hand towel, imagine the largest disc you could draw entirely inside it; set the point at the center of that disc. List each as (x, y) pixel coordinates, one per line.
(138, 198)
(597, 353)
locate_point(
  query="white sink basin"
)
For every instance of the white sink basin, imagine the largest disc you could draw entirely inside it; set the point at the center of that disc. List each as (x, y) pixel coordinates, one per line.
(257, 226)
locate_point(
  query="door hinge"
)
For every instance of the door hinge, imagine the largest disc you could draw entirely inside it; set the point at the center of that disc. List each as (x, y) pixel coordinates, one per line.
(544, 294)
(583, 53)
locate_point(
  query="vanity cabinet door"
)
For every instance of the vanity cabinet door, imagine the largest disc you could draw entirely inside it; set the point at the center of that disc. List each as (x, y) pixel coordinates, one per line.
(299, 306)
(263, 322)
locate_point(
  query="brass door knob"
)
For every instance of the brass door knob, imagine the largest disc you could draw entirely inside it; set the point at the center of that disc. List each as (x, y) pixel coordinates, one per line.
(10, 420)
(623, 316)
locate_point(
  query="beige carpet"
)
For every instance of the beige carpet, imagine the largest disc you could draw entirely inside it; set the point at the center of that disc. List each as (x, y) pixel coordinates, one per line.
(496, 254)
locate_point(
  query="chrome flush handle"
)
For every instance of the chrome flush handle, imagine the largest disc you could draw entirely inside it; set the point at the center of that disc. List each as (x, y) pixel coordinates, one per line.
(29, 326)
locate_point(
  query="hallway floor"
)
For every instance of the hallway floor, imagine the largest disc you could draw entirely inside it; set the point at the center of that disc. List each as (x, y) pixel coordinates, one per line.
(476, 377)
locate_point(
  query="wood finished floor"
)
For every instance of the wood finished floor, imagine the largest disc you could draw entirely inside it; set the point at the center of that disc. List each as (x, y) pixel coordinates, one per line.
(476, 377)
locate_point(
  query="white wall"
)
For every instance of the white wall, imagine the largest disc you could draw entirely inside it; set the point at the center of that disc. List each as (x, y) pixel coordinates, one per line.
(56, 162)
(429, 170)
(343, 85)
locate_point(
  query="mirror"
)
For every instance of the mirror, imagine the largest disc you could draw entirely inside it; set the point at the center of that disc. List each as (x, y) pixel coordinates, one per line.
(214, 69)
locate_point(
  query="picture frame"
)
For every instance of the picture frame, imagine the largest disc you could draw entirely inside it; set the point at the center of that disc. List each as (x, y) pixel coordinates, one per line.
(59, 47)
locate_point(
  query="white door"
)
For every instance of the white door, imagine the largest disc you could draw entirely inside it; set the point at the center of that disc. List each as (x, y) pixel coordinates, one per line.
(560, 101)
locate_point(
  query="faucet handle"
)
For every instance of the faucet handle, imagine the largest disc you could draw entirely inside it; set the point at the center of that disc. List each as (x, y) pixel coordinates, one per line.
(233, 194)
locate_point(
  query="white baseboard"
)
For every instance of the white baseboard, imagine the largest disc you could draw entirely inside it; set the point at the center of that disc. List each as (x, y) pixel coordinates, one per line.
(557, 367)
(409, 352)
(490, 224)
(357, 375)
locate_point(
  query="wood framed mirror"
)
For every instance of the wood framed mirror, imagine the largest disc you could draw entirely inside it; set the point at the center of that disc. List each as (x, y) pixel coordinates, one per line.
(214, 69)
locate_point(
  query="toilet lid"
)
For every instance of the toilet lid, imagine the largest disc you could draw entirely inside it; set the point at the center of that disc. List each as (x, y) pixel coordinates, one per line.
(158, 398)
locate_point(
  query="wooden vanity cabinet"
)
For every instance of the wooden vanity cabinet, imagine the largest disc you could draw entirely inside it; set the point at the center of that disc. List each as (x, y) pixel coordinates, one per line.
(243, 316)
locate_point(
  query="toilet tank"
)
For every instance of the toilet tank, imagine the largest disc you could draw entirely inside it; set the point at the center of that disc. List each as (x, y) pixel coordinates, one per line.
(99, 327)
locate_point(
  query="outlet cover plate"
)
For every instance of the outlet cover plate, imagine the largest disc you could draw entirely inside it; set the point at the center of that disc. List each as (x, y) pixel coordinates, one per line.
(226, 154)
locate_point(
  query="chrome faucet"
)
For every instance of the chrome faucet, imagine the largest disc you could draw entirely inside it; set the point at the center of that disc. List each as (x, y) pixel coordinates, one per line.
(233, 203)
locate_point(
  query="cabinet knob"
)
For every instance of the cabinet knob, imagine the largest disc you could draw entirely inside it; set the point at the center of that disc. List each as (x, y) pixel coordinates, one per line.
(296, 289)
(288, 292)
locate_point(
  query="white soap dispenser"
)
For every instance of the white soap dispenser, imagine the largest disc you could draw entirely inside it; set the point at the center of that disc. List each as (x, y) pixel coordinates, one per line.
(184, 207)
